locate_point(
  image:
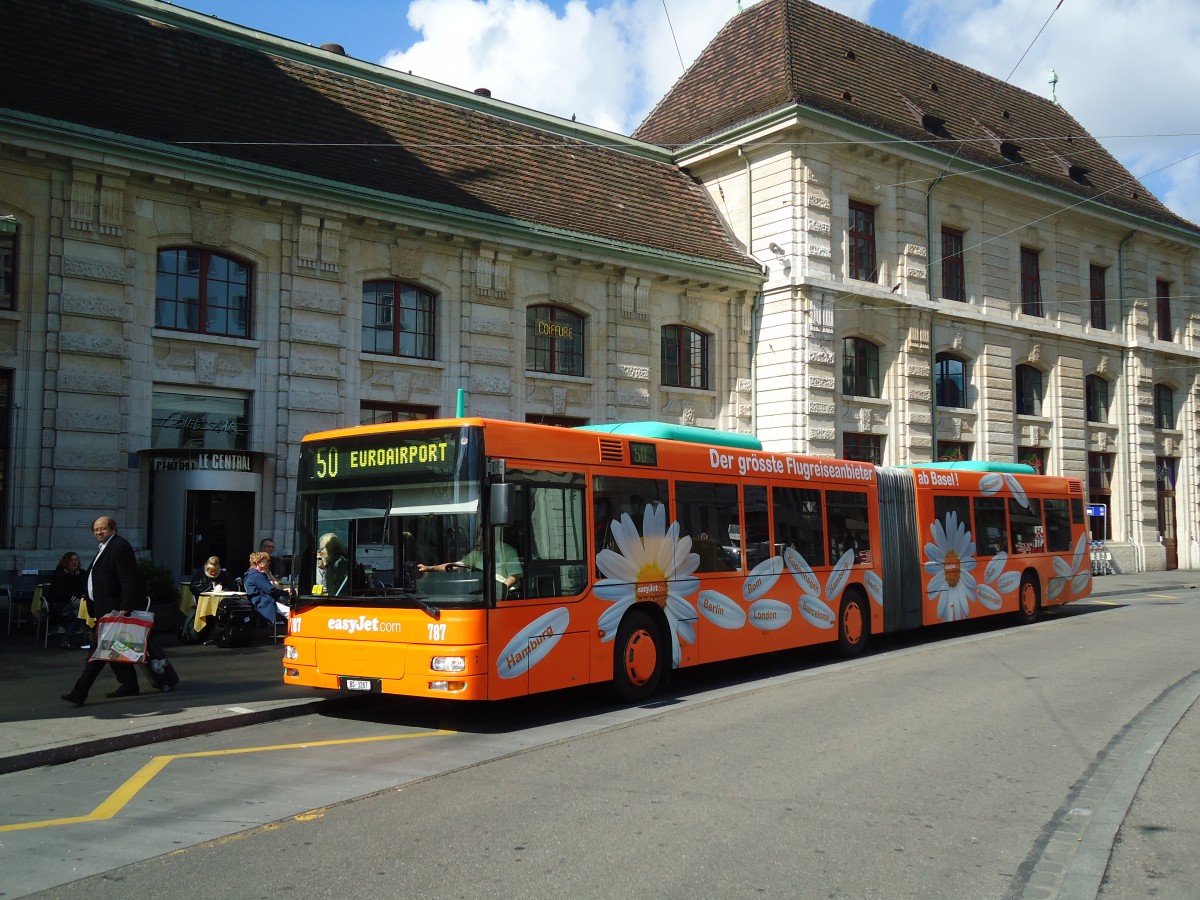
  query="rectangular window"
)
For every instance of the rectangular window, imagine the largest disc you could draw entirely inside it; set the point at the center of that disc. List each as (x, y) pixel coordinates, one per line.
(548, 532)
(1162, 292)
(954, 274)
(756, 536)
(1099, 297)
(5, 443)
(684, 357)
(1031, 283)
(953, 451)
(799, 524)
(554, 340)
(863, 447)
(1100, 475)
(1058, 525)
(991, 526)
(1028, 535)
(846, 514)
(8, 265)
(370, 413)
(960, 506)
(615, 496)
(1033, 456)
(198, 421)
(709, 513)
(861, 242)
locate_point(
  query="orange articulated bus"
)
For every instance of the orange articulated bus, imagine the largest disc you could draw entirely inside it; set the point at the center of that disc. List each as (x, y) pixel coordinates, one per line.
(478, 559)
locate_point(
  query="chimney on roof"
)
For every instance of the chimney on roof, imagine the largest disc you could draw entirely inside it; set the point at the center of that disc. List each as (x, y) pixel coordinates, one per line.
(335, 48)
(483, 92)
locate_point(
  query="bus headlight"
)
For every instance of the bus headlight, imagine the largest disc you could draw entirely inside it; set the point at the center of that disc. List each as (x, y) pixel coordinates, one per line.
(448, 664)
(290, 652)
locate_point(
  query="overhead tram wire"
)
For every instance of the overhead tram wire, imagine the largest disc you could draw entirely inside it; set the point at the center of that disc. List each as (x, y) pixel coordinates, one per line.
(667, 13)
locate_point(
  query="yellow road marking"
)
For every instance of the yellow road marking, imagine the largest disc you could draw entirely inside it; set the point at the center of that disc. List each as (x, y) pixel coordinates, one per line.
(117, 800)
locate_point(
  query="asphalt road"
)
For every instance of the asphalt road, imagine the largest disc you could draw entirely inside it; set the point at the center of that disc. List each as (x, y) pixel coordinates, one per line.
(981, 764)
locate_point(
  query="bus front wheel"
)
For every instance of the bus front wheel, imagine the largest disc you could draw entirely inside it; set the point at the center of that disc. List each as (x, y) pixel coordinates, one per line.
(638, 658)
(1029, 600)
(854, 624)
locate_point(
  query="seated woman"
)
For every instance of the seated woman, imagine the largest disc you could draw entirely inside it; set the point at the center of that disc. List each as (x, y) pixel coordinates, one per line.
(265, 596)
(211, 577)
(66, 592)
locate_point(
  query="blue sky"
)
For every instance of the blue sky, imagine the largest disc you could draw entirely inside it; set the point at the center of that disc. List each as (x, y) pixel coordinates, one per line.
(1128, 70)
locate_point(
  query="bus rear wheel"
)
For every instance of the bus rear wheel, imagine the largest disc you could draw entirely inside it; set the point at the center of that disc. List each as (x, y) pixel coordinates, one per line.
(638, 658)
(1029, 600)
(854, 624)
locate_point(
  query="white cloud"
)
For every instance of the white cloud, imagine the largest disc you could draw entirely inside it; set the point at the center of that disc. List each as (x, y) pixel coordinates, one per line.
(607, 63)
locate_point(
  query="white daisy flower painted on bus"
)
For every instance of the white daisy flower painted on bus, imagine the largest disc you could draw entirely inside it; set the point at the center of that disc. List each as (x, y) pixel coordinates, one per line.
(816, 609)
(995, 482)
(997, 582)
(1078, 572)
(951, 562)
(657, 566)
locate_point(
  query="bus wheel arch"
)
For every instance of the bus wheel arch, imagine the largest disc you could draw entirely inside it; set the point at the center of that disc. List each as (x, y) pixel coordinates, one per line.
(854, 622)
(641, 656)
(1029, 598)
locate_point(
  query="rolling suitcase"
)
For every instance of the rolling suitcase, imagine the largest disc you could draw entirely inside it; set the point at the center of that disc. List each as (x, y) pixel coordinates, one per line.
(159, 670)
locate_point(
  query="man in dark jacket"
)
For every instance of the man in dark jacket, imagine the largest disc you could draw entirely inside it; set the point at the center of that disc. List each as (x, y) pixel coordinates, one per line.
(114, 583)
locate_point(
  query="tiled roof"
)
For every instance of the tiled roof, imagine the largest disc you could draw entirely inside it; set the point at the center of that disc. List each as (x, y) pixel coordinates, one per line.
(783, 54)
(154, 78)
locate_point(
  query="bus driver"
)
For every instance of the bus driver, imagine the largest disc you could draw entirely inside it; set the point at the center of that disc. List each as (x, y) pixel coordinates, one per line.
(508, 563)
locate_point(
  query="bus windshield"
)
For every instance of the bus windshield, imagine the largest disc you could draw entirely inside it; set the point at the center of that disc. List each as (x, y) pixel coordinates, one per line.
(373, 507)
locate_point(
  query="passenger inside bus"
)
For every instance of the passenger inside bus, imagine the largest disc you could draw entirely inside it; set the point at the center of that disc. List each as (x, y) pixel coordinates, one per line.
(333, 564)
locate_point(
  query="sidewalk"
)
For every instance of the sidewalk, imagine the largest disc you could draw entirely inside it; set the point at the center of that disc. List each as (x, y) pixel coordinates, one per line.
(219, 689)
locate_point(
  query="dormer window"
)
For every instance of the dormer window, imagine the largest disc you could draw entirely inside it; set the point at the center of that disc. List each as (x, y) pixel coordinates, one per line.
(1011, 151)
(1079, 174)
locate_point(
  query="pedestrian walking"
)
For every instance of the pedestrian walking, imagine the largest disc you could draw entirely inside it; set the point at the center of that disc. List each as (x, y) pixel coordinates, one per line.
(114, 584)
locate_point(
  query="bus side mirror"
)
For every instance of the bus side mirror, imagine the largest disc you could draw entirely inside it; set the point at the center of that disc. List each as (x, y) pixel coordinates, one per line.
(501, 503)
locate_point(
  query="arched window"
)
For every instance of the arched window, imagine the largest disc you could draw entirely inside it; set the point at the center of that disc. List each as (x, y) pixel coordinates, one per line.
(202, 291)
(950, 381)
(860, 368)
(397, 319)
(1164, 407)
(554, 340)
(1096, 389)
(684, 357)
(1028, 391)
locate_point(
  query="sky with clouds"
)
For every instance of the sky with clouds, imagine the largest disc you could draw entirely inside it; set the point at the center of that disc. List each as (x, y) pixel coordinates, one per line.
(1128, 70)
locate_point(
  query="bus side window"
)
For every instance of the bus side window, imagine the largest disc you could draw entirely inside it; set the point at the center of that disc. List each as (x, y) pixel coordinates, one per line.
(756, 537)
(1058, 525)
(1026, 524)
(848, 525)
(706, 512)
(798, 523)
(549, 533)
(614, 497)
(991, 527)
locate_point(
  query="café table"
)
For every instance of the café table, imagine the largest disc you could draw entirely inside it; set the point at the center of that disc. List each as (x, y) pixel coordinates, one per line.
(207, 603)
(186, 601)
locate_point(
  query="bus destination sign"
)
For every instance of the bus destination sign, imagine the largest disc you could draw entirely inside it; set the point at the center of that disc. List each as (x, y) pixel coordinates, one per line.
(356, 461)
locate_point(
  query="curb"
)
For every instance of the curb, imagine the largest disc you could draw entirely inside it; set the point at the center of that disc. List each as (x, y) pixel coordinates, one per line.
(65, 753)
